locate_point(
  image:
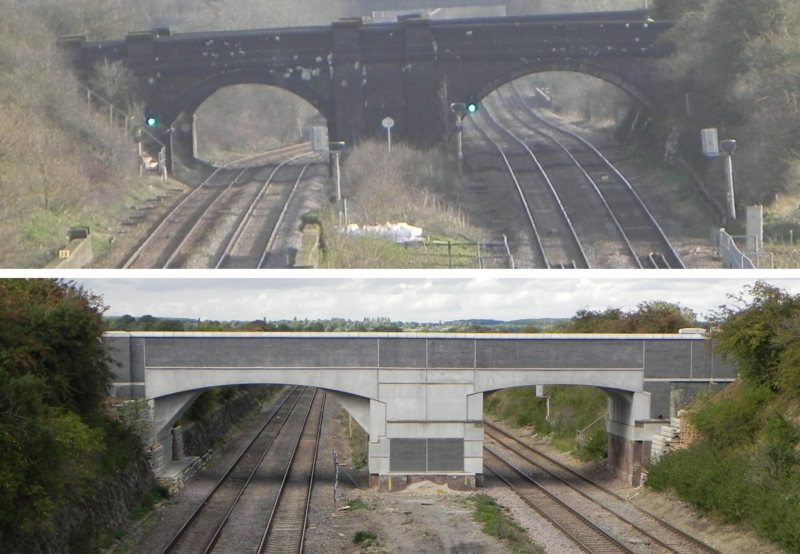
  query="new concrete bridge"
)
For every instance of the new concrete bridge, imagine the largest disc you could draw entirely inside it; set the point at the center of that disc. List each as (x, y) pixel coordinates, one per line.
(420, 396)
(357, 73)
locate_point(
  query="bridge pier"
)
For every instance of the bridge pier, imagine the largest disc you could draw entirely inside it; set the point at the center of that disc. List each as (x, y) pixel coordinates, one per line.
(628, 443)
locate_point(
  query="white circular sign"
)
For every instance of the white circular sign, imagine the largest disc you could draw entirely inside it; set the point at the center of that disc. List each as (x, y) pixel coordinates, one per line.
(387, 122)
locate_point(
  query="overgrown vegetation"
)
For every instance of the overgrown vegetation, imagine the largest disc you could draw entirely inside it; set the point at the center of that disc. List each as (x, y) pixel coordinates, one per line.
(576, 421)
(498, 523)
(56, 436)
(751, 431)
(737, 60)
(402, 186)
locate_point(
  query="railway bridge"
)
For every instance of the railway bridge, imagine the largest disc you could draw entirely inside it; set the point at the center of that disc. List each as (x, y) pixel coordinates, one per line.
(419, 396)
(357, 73)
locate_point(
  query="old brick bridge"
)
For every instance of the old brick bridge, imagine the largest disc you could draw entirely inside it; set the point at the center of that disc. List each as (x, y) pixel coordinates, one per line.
(357, 73)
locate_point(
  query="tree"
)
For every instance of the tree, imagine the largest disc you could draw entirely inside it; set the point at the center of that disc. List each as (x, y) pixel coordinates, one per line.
(168, 325)
(760, 335)
(54, 377)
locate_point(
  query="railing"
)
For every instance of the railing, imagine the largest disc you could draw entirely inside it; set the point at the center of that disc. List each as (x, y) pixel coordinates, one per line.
(475, 255)
(582, 432)
(119, 117)
(733, 258)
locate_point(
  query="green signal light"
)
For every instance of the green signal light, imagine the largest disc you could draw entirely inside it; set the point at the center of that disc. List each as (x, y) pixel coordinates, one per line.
(472, 107)
(151, 121)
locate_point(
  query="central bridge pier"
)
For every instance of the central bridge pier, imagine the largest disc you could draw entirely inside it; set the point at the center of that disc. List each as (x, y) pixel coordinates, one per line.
(420, 396)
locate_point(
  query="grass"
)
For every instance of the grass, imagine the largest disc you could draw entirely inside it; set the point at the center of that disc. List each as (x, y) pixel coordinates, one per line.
(365, 539)
(156, 495)
(572, 409)
(358, 504)
(405, 186)
(498, 523)
(358, 441)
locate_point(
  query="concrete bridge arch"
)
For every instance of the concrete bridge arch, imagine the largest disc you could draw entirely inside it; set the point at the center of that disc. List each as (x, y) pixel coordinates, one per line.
(421, 393)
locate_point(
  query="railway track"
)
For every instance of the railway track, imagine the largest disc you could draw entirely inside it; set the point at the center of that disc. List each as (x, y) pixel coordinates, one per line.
(581, 211)
(286, 529)
(226, 517)
(540, 480)
(632, 218)
(553, 232)
(232, 218)
(252, 242)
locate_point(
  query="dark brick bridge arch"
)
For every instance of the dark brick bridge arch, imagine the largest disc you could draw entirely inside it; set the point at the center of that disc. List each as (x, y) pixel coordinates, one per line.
(358, 73)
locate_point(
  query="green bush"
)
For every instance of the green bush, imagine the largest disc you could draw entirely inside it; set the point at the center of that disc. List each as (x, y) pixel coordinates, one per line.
(732, 420)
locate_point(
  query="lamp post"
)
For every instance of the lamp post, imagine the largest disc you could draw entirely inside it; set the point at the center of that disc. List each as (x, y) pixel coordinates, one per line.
(336, 149)
(728, 147)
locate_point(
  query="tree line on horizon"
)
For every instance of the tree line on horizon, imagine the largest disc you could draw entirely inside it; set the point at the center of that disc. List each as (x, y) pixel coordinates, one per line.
(648, 317)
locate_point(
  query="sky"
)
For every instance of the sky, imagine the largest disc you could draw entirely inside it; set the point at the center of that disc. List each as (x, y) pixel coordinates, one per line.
(414, 296)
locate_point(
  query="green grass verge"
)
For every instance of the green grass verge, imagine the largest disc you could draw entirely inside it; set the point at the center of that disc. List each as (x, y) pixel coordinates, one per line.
(498, 523)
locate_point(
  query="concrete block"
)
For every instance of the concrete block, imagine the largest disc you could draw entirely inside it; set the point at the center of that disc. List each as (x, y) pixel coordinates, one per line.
(669, 431)
(447, 402)
(379, 449)
(473, 449)
(675, 422)
(475, 407)
(461, 482)
(473, 465)
(473, 431)
(393, 483)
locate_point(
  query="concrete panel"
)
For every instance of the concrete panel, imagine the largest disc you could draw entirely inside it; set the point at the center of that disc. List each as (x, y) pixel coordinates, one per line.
(120, 350)
(445, 455)
(667, 359)
(473, 465)
(408, 455)
(475, 407)
(404, 402)
(377, 420)
(660, 398)
(403, 353)
(451, 353)
(450, 376)
(379, 449)
(401, 376)
(168, 410)
(425, 430)
(360, 382)
(356, 406)
(473, 449)
(137, 359)
(234, 352)
(174, 352)
(447, 402)
(379, 465)
(473, 431)
(629, 380)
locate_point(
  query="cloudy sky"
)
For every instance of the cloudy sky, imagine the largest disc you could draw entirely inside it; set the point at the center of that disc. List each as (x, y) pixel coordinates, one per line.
(413, 296)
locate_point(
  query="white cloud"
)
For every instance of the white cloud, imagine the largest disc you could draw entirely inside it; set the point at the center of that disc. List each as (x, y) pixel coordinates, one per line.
(415, 296)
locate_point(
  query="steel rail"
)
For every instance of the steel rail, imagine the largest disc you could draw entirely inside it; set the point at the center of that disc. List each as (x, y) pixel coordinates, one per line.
(234, 240)
(631, 251)
(586, 535)
(498, 434)
(175, 543)
(583, 260)
(199, 191)
(276, 513)
(676, 261)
